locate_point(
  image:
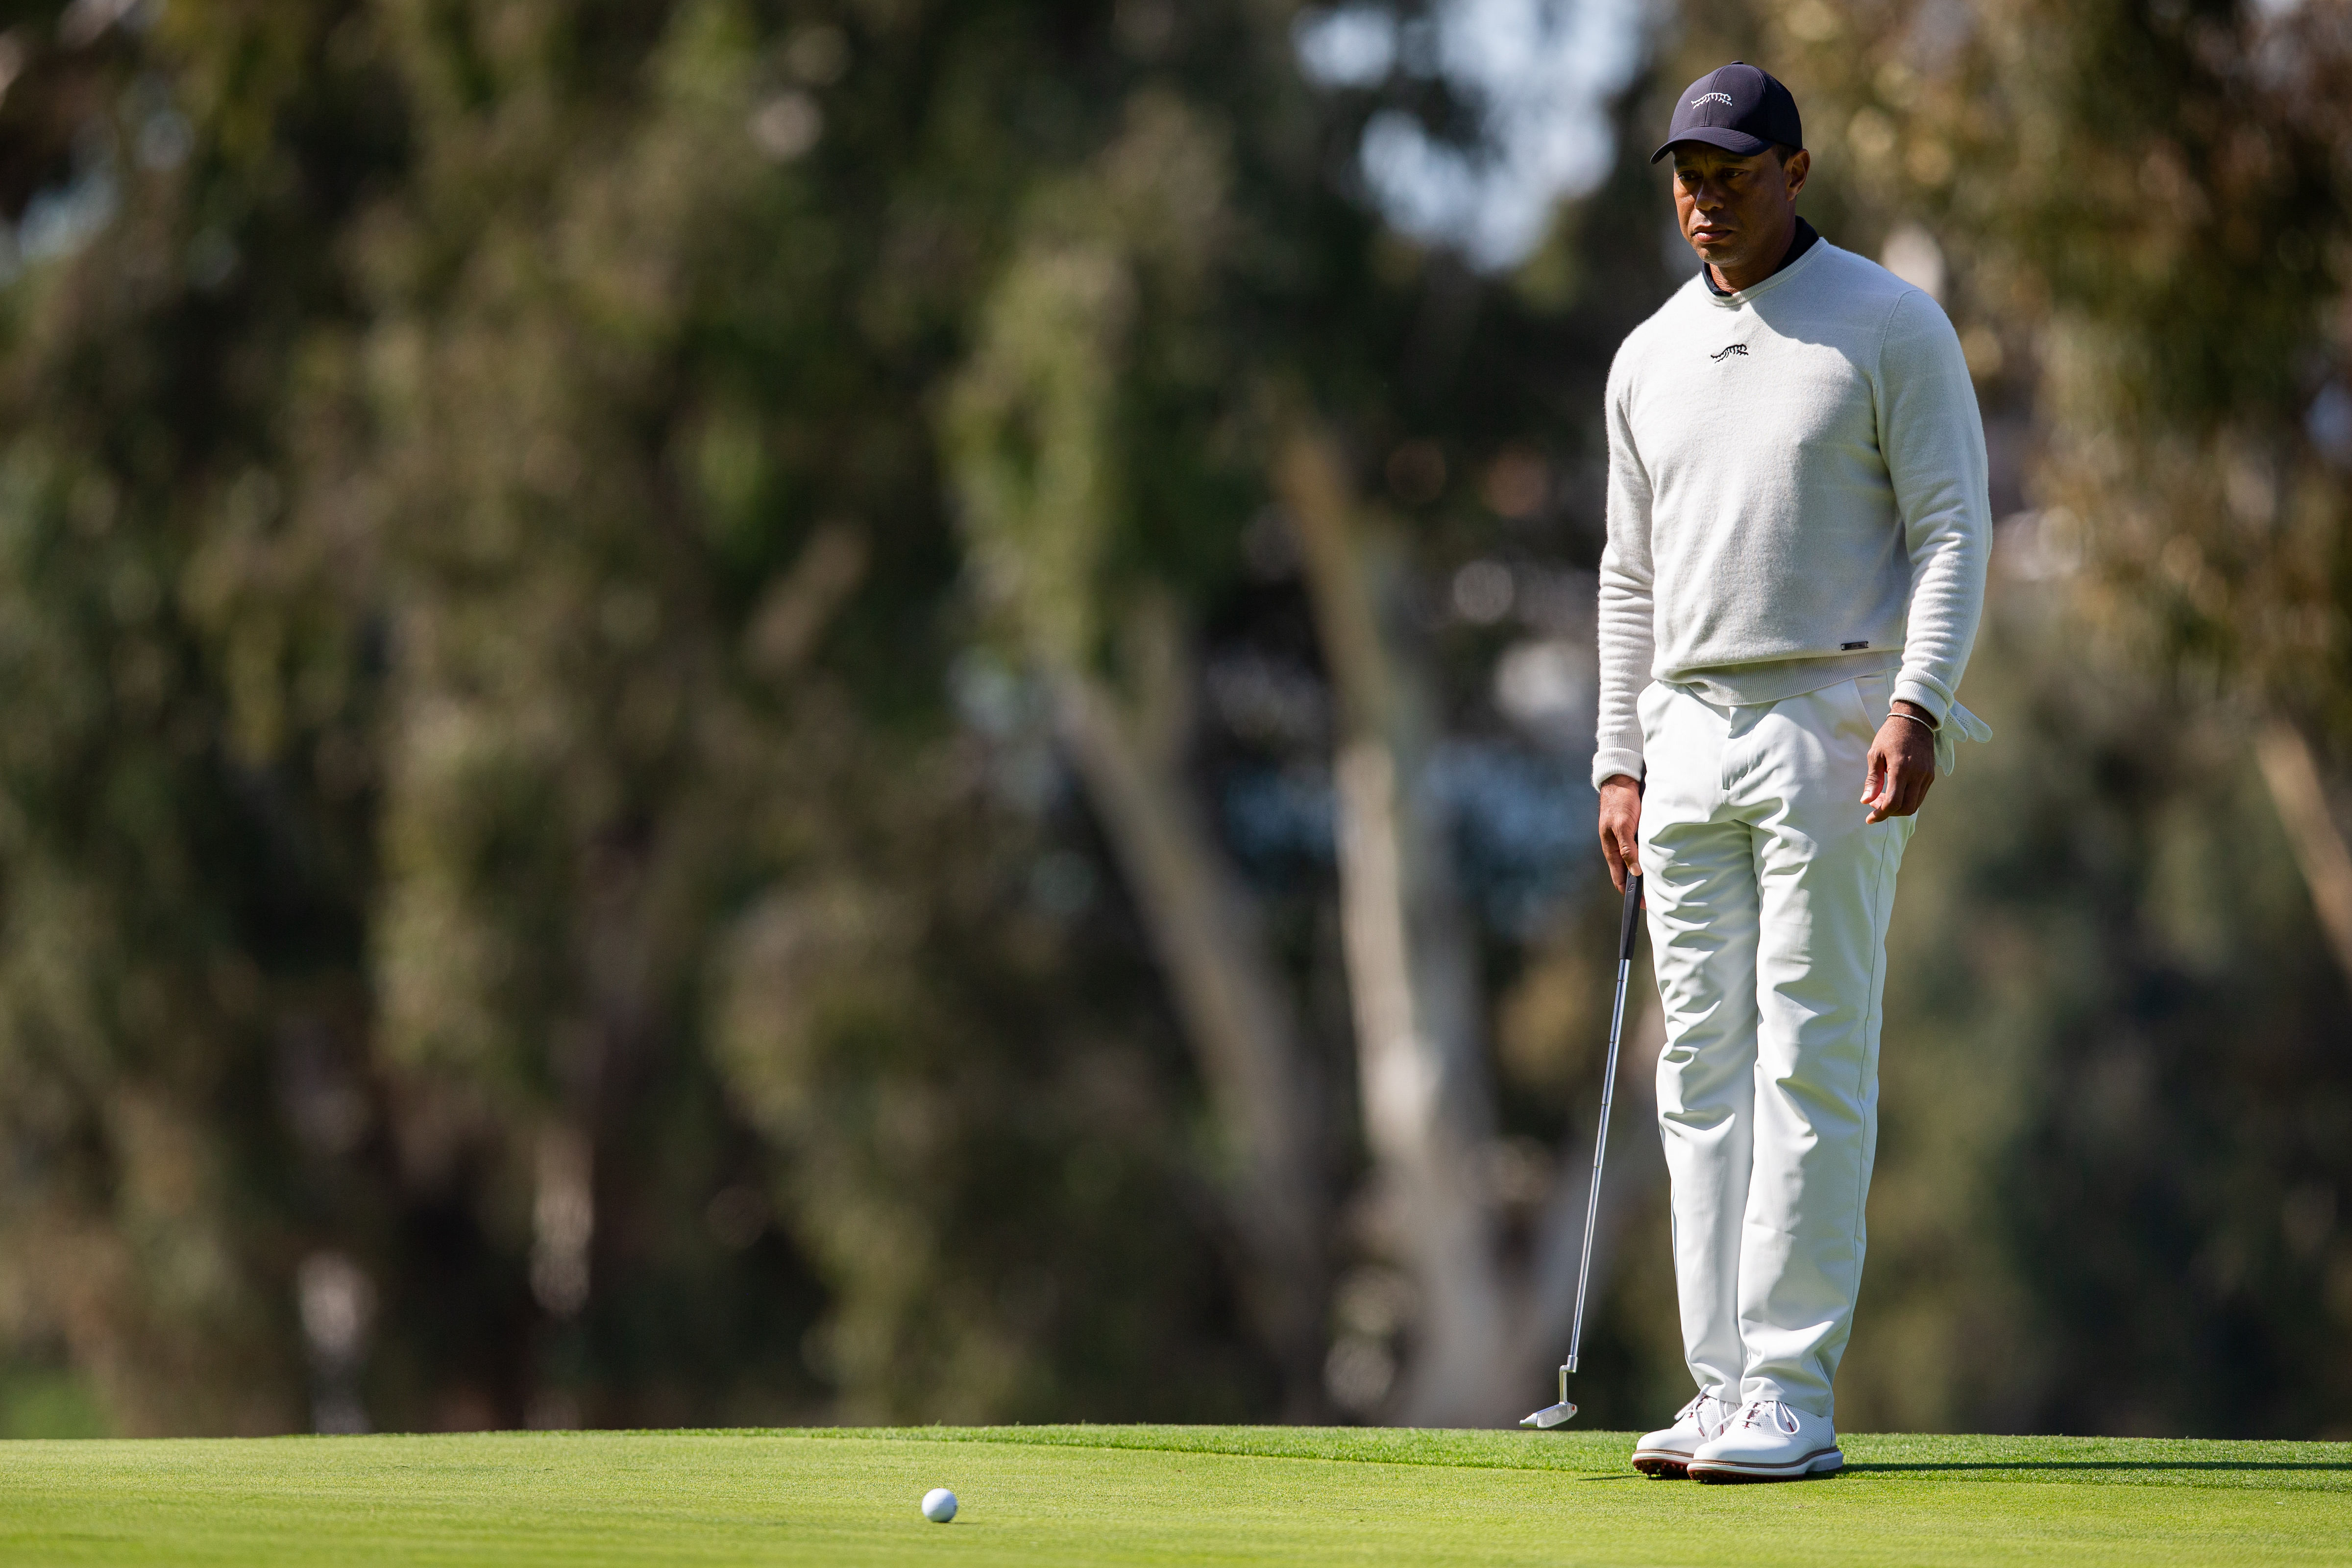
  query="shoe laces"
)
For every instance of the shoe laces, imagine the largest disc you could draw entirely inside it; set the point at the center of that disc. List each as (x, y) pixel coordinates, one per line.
(1697, 1408)
(1768, 1413)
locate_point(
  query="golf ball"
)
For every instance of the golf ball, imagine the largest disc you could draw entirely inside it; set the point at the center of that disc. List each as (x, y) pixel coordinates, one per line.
(939, 1505)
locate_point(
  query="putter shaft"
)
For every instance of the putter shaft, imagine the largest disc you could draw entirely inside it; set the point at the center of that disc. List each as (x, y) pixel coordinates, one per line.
(1555, 1414)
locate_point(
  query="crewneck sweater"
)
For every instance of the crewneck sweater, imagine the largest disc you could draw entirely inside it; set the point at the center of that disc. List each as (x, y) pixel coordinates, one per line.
(1797, 496)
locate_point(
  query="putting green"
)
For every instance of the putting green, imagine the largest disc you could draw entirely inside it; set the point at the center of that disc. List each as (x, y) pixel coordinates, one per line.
(1151, 1495)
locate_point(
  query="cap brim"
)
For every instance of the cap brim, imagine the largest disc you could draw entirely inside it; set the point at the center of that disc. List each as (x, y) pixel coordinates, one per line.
(1739, 143)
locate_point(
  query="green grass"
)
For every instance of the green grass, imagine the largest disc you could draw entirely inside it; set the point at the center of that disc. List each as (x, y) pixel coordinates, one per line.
(1155, 1494)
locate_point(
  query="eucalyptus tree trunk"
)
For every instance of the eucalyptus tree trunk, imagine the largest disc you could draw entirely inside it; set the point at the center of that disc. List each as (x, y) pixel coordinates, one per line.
(2296, 788)
(1033, 442)
(1489, 1326)
(1429, 1118)
(1033, 451)
(1235, 1008)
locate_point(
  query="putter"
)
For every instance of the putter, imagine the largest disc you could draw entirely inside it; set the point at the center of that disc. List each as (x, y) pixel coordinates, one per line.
(1552, 1415)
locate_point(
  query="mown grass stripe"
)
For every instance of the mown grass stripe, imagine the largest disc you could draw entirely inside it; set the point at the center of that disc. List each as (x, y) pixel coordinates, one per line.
(1153, 1497)
(2140, 1461)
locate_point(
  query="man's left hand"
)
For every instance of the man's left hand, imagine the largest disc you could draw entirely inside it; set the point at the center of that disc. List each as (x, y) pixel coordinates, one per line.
(1902, 763)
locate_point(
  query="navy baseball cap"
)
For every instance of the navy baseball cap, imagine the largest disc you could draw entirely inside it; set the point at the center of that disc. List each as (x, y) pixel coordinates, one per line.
(1736, 107)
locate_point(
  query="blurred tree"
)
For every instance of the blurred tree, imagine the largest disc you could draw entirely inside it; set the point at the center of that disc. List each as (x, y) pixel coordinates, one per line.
(187, 865)
(1145, 293)
(1425, 1085)
(644, 341)
(1031, 431)
(2115, 1108)
(558, 555)
(500, 419)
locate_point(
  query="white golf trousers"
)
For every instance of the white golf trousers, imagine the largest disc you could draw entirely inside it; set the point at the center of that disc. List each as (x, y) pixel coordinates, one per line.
(1769, 898)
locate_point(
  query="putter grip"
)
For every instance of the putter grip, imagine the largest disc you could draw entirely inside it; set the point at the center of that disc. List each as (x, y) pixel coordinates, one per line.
(1631, 918)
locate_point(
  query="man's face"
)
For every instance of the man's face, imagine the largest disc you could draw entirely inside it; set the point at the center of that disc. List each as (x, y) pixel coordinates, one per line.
(1731, 208)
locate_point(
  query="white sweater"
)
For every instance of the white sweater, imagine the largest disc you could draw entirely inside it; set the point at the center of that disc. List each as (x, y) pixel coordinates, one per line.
(1796, 495)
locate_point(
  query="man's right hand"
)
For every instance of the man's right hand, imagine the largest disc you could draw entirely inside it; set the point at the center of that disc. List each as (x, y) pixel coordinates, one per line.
(1621, 827)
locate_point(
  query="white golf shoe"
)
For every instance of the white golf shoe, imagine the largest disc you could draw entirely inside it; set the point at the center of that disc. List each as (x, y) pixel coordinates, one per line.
(1768, 1441)
(1665, 1454)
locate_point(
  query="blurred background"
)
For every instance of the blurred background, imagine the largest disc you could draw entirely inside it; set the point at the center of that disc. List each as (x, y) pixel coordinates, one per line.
(847, 711)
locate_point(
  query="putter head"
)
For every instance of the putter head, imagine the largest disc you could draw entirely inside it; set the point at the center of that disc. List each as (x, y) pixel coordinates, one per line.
(1552, 1415)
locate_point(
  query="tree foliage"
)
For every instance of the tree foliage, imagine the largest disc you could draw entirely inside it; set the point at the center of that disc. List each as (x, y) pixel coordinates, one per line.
(699, 692)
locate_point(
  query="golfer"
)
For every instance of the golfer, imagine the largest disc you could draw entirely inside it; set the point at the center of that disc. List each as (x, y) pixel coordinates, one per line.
(1798, 533)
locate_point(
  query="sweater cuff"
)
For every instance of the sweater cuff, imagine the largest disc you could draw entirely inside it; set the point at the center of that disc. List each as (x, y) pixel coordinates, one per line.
(1611, 761)
(1927, 692)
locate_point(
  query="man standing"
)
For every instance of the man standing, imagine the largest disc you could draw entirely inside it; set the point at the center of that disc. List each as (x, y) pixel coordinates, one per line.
(1798, 534)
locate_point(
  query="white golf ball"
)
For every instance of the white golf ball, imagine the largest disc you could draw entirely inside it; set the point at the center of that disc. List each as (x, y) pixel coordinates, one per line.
(939, 1505)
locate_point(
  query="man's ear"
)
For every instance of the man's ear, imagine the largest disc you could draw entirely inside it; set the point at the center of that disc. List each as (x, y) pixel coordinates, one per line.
(1799, 165)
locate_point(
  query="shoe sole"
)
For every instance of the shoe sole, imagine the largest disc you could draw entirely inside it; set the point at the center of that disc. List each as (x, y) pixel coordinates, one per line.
(1719, 1472)
(1661, 1464)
